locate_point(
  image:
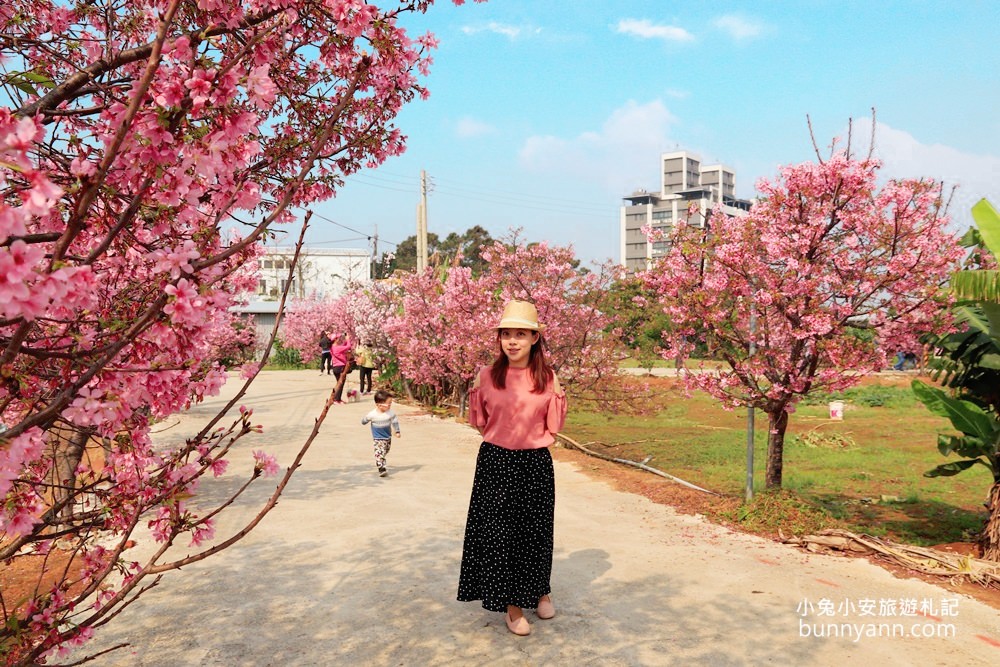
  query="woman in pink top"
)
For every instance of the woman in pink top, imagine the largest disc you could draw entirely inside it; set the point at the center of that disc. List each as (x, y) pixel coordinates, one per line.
(339, 353)
(518, 406)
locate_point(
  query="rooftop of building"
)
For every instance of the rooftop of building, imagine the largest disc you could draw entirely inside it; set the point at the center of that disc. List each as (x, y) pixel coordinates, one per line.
(328, 252)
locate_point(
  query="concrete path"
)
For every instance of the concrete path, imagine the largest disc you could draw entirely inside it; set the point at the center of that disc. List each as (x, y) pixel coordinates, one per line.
(353, 569)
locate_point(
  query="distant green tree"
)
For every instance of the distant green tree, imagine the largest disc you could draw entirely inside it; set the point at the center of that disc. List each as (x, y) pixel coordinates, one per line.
(405, 256)
(469, 245)
(442, 252)
(637, 322)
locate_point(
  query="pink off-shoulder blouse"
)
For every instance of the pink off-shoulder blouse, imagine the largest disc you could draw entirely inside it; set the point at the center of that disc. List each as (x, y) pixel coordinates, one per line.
(514, 417)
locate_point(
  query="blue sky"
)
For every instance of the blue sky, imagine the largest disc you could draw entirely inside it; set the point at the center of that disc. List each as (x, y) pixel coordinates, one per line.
(543, 115)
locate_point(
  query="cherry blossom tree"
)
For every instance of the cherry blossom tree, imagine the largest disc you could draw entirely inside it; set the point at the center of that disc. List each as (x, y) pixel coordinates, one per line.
(360, 314)
(147, 147)
(369, 308)
(583, 345)
(827, 275)
(306, 320)
(443, 333)
(440, 334)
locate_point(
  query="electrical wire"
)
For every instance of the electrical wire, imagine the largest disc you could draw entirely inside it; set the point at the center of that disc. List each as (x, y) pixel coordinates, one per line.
(395, 182)
(464, 191)
(364, 235)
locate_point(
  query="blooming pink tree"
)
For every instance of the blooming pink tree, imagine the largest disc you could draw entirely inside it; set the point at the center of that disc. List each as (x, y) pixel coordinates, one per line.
(582, 344)
(305, 321)
(360, 314)
(444, 331)
(369, 308)
(835, 273)
(139, 135)
(439, 335)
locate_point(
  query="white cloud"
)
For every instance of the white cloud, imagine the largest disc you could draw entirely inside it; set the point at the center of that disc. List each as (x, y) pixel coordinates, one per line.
(739, 27)
(470, 128)
(903, 156)
(511, 32)
(648, 30)
(620, 157)
(677, 94)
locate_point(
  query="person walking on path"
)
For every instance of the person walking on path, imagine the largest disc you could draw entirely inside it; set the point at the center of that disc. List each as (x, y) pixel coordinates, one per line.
(384, 422)
(339, 356)
(365, 359)
(518, 407)
(324, 354)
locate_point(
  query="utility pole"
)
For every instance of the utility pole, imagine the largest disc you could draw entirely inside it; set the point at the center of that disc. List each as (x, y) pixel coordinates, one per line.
(371, 269)
(422, 224)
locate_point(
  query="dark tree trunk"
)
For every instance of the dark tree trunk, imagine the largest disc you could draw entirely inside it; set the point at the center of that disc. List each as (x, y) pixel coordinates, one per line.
(68, 447)
(989, 539)
(777, 422)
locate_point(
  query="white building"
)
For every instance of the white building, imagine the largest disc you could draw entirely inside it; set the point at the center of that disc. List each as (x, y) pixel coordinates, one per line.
(319, 274)
(684, 182)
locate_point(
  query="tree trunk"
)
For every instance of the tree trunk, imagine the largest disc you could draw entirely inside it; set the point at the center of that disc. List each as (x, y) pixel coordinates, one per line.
(777, 422)
(68, 446)
(989, 539)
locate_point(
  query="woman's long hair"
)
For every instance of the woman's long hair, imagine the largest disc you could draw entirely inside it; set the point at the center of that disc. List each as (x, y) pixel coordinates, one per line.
(541, 372)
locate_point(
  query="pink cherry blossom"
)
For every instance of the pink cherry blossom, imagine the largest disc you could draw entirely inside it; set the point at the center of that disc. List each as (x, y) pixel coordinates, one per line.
(119, 267)
(822, 253)
(265, 463)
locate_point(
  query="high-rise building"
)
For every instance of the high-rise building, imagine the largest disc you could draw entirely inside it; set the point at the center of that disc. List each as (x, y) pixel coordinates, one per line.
(688, 191)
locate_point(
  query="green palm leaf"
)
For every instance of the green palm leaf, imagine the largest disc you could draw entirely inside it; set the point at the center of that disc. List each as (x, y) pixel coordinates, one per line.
(977, 285)
(988, 221)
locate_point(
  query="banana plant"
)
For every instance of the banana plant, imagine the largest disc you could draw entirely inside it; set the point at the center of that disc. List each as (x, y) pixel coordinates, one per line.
(979, 428)
(983, 286)
(968, 361)
(969, 365)
(978, 444)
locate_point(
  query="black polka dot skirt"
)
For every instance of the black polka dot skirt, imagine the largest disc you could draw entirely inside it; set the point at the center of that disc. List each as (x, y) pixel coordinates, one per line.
(507, 557)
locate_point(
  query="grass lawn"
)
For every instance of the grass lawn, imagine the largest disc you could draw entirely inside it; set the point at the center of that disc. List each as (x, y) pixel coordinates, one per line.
(632, 362)
(864, 473)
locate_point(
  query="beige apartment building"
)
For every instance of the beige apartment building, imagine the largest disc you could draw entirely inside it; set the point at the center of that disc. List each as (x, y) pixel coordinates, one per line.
(684, 182)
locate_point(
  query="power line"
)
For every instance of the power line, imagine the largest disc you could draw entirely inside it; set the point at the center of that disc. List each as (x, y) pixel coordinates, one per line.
(355, 238)
(412, 184)
(537, 206)
(527, 197)
(531, 202)
(365, 236)
(350, 229)
(358, 180)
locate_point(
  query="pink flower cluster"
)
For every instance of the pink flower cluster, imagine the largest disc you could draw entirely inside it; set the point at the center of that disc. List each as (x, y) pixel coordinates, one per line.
(824, 254)
(439, 325)
(143, 134)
